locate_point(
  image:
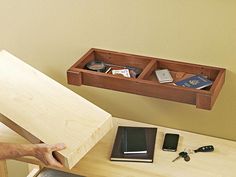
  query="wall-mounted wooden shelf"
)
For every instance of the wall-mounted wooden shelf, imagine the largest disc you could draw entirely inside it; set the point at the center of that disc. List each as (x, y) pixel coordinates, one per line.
(146, 83)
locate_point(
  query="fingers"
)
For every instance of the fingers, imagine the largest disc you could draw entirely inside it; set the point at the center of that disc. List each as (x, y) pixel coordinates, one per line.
(51, 161)
(57, 165)
(58, 147)
(44, 153)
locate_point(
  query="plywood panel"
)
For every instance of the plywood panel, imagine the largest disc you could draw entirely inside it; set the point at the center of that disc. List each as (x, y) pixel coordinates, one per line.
(41, 109)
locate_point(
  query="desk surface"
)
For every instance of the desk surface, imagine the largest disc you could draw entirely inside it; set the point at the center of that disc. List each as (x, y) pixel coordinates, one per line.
(220, 163)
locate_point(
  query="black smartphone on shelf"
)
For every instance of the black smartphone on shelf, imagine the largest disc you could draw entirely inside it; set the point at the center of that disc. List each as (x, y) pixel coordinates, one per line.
(170, 142)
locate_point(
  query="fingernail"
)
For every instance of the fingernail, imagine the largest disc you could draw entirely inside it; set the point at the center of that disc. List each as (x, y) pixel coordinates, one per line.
(62, 145)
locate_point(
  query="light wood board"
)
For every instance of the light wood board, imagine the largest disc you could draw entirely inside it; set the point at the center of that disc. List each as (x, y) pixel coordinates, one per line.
(3, 169)
(41, 109)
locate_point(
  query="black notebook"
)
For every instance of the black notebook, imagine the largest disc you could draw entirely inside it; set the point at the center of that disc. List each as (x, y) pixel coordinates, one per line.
(134, 140)
(136, 144)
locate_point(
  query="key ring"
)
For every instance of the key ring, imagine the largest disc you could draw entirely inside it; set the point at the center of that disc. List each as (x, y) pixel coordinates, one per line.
(189, 151)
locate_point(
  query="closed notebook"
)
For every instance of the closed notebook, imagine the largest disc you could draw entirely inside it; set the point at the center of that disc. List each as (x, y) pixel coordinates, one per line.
(142, 155)
(134, 140)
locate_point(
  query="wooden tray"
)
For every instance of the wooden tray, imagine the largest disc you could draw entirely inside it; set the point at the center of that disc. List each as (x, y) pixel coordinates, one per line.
(146, 83)
(42, 110)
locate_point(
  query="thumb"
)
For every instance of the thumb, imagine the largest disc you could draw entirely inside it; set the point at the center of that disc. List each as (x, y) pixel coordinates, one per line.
(58, 147)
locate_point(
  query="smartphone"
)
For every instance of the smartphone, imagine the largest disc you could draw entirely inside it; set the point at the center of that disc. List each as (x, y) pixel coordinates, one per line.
(170, 142)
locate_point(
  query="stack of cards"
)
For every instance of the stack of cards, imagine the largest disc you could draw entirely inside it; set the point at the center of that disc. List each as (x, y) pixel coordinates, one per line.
(124, 72)
(164, 76)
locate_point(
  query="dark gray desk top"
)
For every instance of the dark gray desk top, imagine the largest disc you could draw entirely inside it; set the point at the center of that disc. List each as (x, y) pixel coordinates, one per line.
(55, 173)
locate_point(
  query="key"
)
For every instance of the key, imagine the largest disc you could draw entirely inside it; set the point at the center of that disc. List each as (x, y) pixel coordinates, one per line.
(181, 155)
(208, 148)
(187, 158)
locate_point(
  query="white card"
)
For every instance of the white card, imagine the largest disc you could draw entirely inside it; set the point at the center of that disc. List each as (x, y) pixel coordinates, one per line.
(164, 76)
(124, 72)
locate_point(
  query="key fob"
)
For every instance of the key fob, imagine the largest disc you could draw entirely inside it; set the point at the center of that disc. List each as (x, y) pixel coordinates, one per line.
(208, 148)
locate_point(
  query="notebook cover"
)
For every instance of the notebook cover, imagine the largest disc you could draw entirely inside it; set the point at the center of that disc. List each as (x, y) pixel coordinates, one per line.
(117, 151)
(134, 141)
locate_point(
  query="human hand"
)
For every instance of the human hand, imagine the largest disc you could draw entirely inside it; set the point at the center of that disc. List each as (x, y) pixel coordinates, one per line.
(44, 153)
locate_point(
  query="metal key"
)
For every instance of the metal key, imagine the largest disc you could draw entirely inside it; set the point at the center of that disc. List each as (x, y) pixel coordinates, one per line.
(182, 154)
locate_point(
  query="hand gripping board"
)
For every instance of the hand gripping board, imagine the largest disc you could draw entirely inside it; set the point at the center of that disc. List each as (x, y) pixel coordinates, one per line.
(42, 110)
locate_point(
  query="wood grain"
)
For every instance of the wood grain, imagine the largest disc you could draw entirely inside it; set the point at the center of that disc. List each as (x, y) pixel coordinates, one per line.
(48, 111)
(33, 173)
(220, 163)
(96, 163)
(3, 168)
(147, 84)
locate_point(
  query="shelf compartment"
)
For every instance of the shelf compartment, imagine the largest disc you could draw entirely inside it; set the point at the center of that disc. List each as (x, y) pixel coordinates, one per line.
(146, 83)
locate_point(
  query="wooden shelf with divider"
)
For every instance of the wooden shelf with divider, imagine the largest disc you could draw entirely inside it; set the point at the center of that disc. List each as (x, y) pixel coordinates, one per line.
(146, 82)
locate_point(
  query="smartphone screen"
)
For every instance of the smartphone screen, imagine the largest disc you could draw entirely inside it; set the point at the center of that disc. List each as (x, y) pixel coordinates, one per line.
(170, 142)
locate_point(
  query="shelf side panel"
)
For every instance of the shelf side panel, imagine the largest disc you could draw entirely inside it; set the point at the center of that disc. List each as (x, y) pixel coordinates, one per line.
(138, 87)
